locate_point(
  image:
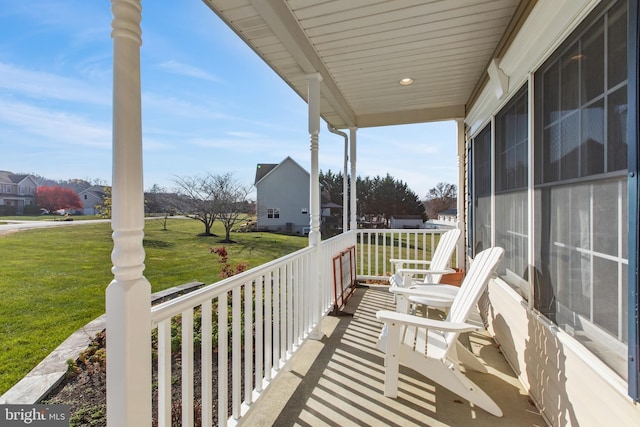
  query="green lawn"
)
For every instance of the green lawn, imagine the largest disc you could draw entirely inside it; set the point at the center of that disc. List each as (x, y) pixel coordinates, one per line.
(53, 280)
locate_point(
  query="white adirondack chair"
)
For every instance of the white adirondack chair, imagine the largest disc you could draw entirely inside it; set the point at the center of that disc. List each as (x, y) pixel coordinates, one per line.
(441, 296)
(432, 269)
(430, 347)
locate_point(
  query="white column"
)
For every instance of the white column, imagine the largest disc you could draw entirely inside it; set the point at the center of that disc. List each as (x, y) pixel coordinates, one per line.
(314, 130)
(128, 296)
(460, 250)
(345, 187)
(315, 236)
(354, 178)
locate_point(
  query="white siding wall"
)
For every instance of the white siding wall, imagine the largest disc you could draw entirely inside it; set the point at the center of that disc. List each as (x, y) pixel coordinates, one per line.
(570, 384)
(285, 188)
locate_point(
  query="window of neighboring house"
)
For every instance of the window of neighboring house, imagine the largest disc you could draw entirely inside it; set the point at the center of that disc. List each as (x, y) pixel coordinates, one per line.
(481, 184)
(581, 186)
(273, 213)
(511, 183)
(85, 197)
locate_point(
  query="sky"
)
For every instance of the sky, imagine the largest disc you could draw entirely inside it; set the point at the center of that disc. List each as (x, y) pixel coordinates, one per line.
(209, 103)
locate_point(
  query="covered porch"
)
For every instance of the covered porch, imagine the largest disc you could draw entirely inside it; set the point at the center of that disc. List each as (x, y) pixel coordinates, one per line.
(366, 64)
(339, 380)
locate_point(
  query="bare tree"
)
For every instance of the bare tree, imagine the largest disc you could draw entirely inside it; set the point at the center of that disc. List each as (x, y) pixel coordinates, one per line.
(231, 201)
(214, 197)
(440, 198)
(198, 201)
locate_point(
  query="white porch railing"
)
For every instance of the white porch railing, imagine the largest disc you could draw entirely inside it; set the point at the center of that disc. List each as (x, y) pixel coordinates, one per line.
(377, 246)
(269, 310)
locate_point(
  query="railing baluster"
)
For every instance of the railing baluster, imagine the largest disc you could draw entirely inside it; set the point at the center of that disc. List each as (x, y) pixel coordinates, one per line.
(206, 364)
(248, 343)
(164, 373)
(276, 320)
(369, 255)
(236, 352)
(259, 283)
(187, 367)
(290, 309)
(268, 335)
(283, 314)
(223, 359)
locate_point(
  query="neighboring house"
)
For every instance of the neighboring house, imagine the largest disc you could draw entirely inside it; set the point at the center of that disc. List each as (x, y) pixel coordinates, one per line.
(90, 198)
(16, 192)
(445, 219)
(282, 197)
(407, 221)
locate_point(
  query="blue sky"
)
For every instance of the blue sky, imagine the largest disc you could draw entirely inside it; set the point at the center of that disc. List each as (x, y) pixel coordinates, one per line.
(209, 104)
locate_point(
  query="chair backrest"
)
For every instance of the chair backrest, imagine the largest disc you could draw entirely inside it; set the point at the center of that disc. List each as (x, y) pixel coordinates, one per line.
(442, 255)
(475, 282)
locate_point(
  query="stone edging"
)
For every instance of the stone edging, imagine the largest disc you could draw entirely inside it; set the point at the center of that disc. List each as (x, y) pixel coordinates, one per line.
(51, 371)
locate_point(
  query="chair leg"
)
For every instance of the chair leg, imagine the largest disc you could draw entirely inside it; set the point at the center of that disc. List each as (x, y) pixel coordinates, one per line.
(392, 361)
(449, 376)
(468, 359)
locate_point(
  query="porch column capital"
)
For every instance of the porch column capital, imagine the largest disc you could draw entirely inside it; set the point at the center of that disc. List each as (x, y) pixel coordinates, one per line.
(313, 96)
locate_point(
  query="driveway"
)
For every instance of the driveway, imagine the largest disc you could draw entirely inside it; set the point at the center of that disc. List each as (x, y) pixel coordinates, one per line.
(9, 226)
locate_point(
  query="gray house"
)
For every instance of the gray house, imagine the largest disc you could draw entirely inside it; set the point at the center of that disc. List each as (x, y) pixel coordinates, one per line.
(282, 196)
(90, 198)
(16, 192)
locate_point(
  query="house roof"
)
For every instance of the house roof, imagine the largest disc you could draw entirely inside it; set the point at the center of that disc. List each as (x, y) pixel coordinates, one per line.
(418, 217)
(7, 177)
(264, 169)
(97, 190)
(451, 212)
(447, 47)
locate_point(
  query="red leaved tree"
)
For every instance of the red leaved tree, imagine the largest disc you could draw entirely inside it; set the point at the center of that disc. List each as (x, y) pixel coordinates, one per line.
(56, 198)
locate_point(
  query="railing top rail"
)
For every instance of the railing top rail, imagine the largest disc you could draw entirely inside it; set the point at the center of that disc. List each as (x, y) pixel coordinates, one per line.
(404, 230)
(176, 306)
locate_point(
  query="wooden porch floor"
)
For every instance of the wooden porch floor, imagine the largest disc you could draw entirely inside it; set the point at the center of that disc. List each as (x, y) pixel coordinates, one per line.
(338, 381)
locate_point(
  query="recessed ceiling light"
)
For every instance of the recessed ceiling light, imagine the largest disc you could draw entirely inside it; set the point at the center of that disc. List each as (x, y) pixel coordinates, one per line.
(406, 81)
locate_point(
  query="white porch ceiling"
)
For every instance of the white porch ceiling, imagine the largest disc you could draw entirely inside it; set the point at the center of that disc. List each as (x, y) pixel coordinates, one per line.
(362, 48)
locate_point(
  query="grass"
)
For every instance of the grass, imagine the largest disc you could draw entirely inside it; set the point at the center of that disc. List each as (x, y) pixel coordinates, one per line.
(53, 280)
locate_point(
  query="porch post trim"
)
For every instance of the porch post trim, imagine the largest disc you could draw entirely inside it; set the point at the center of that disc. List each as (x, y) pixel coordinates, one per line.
(354, 179)
(128, 296)
(314, 130)
(461, 259)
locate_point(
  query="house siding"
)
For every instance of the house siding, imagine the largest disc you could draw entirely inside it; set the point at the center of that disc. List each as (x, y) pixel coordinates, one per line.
(569, 383)
(285, 188)
(17, 191)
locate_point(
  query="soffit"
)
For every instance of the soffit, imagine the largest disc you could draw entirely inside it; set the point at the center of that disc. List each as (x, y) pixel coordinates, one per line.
(362, 48)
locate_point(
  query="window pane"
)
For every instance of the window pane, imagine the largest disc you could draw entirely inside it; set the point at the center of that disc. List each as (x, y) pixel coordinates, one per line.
(551, 161)
(605, 214)
(592, 61)
(482, 190)
(511, 201)
(581, 280)
(617, 44)
(592, 146)
(570, 81)
(551, 89)
(569, 142)
(617, 131)
(605, 296)
(512, 235)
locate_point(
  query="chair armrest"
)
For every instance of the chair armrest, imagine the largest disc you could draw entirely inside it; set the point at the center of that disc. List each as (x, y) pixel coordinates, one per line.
(413, 271)
(398, 262)
(388, 316)
(422, 291)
